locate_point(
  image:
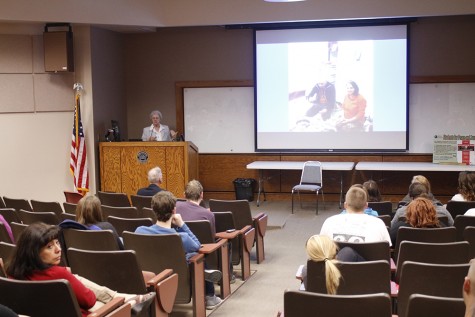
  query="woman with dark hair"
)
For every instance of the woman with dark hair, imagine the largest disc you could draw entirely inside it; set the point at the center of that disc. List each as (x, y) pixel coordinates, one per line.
(374, 195)
(354, 107)
(37, 257)
(420, 213)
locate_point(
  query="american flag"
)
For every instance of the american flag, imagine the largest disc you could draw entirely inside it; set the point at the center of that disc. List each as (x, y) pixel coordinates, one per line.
(78, 164)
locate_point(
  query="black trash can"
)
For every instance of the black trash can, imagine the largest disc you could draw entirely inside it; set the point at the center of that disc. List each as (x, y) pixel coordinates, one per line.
(244, 188)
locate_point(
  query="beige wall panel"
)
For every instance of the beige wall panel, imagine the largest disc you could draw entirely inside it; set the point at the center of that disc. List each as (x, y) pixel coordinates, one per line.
(16, 93)
(38, 54)
(16, 54)
(58, 85)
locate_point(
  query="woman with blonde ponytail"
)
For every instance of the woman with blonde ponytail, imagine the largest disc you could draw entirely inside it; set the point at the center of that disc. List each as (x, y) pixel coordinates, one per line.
(322, 248)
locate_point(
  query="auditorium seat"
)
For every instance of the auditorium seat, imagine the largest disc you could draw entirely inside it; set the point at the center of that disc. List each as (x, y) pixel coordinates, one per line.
(241, 244)
(443, 280)
(46, 206)
(128, 224)
(437, 253)
(242, 218)
(120, 271)
(122, 212)
(17, 204)
(29, 217)
(156, 253)
(357, 277)
(382, 207)
(429, 306)
(432, 235)
(53, 298)
(113, 199)
(17, 229)
(456, 208)
(4, 236)
(141, 201)
(462, 221)
(308, 304)
(10, 215)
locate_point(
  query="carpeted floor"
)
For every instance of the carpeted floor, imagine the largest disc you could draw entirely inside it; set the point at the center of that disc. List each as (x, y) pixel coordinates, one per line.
(262, 294)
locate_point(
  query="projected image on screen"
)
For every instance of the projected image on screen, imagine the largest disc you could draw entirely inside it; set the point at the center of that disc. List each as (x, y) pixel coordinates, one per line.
(339, 89)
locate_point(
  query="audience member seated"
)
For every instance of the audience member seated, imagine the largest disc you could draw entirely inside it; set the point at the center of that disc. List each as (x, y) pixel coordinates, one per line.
(191, 209)
(368, 210)
(155, 179)
(322, 248)
(466, 187)
(7, 227)
(420, 213)
(355, 225)
(164, 206)
(89, 213)
(420, 190)
(374, 195)
(469, 290)
(424, 181)
(37, 257)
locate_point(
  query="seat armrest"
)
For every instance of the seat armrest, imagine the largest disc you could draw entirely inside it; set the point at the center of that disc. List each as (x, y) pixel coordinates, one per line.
(245, 229)
(228, 235)
(109, 307)
(260, 223)
(156, 278)
(207, 248)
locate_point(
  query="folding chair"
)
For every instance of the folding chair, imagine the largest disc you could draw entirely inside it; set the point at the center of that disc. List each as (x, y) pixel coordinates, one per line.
(311, 181)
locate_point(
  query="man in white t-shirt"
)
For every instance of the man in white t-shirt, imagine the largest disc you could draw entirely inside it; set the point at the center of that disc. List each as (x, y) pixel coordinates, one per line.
(355, 225)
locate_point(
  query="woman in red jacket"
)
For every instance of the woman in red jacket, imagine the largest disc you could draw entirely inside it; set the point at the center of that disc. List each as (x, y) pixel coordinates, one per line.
(37, 257)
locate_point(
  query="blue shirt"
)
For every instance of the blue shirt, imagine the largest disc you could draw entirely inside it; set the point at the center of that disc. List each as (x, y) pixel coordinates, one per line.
(368, 211)
(191, 244)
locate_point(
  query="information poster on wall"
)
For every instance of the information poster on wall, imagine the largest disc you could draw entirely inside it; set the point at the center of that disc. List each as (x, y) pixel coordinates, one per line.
(454, 149)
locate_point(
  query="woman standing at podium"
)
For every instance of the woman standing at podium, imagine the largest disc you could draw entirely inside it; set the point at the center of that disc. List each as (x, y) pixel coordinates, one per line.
(157, 131)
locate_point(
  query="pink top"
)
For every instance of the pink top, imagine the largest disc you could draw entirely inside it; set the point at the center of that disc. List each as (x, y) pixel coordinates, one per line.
(7, 226)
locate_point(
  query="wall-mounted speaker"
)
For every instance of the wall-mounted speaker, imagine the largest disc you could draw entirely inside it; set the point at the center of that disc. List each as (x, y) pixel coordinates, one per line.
(58, 49)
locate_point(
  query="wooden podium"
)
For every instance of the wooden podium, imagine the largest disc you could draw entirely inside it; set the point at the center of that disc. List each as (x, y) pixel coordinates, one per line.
(124, 165)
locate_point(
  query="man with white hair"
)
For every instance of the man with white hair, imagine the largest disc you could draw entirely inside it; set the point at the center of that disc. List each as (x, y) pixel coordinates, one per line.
(155, 179)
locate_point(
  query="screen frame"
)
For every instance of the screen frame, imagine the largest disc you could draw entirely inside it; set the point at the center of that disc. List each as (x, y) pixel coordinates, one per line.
(333, 24)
